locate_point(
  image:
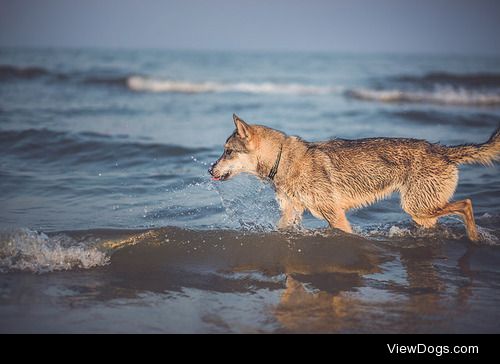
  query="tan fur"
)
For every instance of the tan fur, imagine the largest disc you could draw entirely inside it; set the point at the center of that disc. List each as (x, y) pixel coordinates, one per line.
(328, 178)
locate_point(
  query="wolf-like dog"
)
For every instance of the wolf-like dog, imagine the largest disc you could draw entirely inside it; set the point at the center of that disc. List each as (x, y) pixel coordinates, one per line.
(329, 178)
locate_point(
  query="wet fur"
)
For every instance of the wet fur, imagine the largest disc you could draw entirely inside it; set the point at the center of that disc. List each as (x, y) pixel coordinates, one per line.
(328, 178)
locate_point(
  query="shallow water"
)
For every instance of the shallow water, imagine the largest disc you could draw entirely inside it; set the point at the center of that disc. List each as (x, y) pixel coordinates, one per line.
(109, 222)
(177, 280)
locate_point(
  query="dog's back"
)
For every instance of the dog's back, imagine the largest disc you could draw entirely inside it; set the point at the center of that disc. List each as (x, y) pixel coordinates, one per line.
(361, 171)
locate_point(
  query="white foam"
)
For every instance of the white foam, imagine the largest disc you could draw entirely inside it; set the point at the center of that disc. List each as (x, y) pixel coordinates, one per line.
(396, 231)
(486, 236)
(410, 230)
(448, 231)
(28, 250)
(442, 95)
(138, 83)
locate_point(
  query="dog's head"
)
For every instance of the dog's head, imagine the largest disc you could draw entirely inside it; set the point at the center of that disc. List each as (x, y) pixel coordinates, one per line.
(240, 154)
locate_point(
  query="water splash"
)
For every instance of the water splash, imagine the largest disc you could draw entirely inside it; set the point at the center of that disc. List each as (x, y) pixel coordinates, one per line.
(32, 251)
(242, 203)
(450, 229)
(248, 203)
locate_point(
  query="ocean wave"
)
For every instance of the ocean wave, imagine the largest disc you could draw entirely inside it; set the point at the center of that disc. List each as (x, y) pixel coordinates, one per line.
(444, 96)
(9, 72)
(138, 83)
(434, 117)
(56, 146)
(32, 251)
(106, 78)
(454, 79)
(481, 89)
(318, 250)
(121, 81)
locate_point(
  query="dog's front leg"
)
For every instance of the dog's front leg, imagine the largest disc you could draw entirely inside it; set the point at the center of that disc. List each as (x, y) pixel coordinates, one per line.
(336, 219)
(291, 213)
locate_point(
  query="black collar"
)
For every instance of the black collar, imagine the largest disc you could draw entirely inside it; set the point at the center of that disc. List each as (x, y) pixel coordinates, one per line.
(274, 170)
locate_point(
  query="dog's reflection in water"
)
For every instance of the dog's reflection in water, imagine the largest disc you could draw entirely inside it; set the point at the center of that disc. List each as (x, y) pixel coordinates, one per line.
(357, 303)
(334, 283)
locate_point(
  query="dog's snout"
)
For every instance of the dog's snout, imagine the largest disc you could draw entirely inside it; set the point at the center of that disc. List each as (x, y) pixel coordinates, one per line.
(211, 169)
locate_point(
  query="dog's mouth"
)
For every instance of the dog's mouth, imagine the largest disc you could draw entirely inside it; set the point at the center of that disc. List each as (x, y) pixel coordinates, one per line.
(223, 177)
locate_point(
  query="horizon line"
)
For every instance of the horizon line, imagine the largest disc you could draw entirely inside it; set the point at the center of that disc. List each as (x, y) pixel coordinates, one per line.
(251, 50)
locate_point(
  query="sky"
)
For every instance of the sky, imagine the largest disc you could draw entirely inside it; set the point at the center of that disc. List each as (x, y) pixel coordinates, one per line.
(397, 26)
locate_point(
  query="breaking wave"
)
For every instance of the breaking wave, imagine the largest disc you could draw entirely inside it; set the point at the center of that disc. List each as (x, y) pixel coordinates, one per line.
(445, 96)
(466, 89)
(479, 89)
(138, 83)
(28, 250)
(455, 79)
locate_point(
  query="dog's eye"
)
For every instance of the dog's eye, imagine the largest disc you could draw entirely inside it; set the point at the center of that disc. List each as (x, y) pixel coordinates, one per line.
(228, 152)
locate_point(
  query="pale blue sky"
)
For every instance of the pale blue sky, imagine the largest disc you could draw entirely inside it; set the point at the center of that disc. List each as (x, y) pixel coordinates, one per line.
(436, 26)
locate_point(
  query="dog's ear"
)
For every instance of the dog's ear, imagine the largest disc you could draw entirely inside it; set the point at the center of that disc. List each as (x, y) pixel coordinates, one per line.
(243, 129)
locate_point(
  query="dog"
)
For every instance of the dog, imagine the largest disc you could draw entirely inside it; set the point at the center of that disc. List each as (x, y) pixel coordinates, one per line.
(331, 177)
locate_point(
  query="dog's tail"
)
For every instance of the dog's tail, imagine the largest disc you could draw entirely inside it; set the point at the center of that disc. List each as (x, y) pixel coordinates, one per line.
(485, 153)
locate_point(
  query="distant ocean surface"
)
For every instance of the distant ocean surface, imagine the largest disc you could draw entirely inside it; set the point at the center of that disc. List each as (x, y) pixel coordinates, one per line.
(107, 210)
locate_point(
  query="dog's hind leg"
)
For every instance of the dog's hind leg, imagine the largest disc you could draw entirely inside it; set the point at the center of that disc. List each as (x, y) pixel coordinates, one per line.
(463, 208)
(426, 199)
